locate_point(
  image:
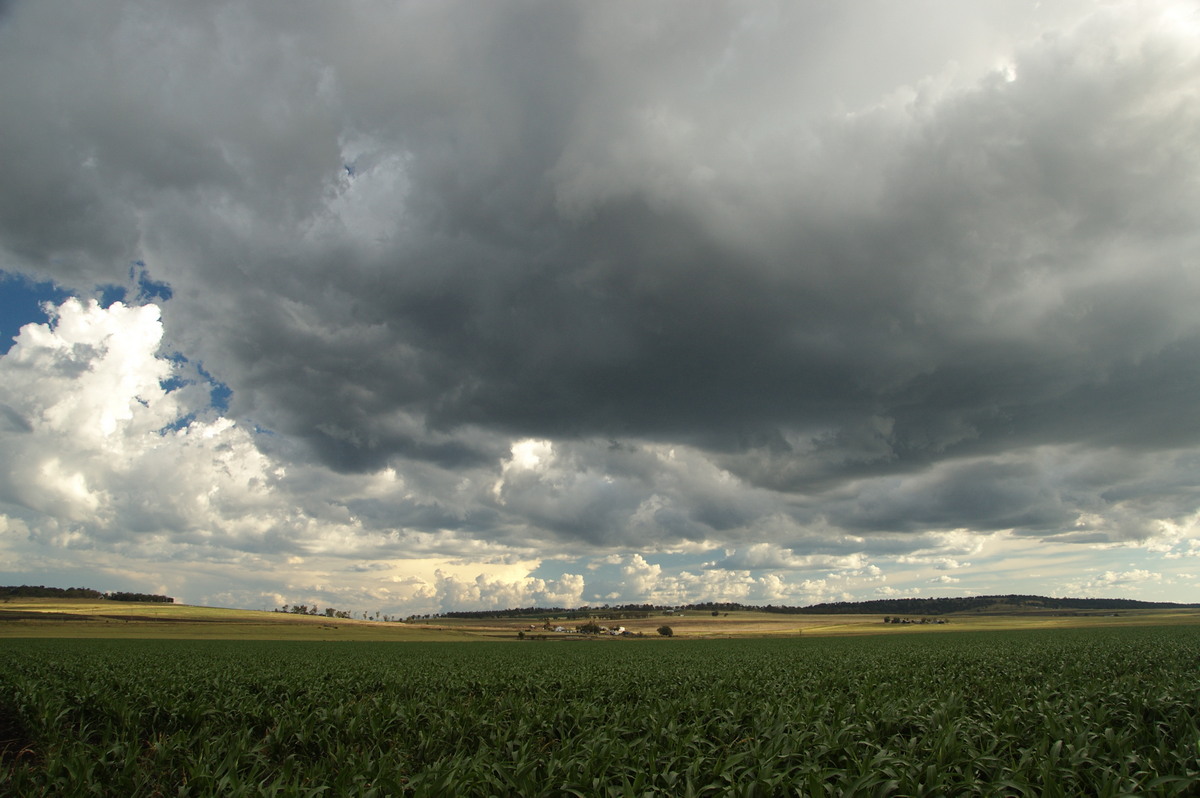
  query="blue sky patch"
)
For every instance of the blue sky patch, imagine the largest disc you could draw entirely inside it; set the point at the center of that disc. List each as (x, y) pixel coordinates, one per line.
(21, 302)
(148, 290)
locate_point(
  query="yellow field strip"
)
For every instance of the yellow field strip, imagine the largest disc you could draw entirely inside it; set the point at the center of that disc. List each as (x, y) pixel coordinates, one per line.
(83, 618)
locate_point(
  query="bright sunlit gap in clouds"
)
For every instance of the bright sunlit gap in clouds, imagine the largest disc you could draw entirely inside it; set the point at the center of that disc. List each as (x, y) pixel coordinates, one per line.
(1183, 19)
(372, 308)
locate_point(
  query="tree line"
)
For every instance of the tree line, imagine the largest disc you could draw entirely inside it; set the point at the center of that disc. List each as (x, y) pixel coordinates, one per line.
(948, 604)
(896, 606)
(41, 591)
(331, 612)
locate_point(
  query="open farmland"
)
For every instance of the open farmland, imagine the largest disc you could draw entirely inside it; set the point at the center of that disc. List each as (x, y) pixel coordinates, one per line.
(58, 618)
(1103, 711)
(700, 624)
(82, 618)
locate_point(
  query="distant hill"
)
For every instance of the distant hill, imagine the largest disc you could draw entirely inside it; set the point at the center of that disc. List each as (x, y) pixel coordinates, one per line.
(900, 606)
(41, 591)
(946, 605)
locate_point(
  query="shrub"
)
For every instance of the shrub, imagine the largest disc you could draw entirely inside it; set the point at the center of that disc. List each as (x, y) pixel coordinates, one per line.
(665, 630)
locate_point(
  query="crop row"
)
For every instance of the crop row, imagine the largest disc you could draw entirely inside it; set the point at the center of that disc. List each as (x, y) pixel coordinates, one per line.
(1099, 712)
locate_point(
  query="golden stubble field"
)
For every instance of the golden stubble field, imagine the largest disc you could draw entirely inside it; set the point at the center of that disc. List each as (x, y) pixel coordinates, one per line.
(83, 618)
(765, 624)
(20, 617)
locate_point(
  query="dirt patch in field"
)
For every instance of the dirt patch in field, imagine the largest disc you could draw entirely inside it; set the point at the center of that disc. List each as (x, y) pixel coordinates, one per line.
(33, 615)
(164, 619)
(26, 615)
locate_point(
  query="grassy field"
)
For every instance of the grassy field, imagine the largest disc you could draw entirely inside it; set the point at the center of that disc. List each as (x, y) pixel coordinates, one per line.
(100, 619)
(1102, 711)
(84, 618)
(767, 624)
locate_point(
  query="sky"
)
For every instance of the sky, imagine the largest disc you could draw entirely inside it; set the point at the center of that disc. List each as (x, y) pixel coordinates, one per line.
(425, 306)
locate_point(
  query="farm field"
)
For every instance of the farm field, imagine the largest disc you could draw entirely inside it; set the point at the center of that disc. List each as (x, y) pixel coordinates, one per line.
(57, 618)
(740, 624)
(1102, 711)
(84, 618)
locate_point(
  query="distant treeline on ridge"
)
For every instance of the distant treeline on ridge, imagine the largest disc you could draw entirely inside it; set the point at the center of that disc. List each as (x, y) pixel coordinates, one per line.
(948, 604)
(40, 591)
(577, 613)
(896, 606)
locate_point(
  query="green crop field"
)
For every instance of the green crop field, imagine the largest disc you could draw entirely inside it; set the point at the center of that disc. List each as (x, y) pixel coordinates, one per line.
(1096, 712)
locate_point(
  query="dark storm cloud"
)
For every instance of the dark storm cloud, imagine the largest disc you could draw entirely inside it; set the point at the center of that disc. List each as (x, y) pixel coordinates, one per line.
(643, 320)
(784, 236)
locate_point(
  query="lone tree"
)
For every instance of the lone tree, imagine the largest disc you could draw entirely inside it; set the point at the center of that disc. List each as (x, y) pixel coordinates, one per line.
(665, 630)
